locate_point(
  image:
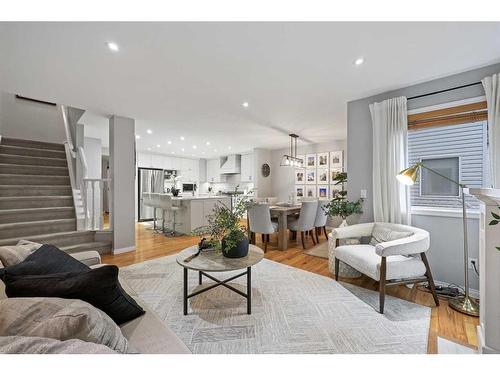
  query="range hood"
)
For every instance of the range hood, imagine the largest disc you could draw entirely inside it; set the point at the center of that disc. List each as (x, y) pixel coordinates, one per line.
(230, 164)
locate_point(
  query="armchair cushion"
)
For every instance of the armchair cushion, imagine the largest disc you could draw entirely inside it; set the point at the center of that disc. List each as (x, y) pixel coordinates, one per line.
(365, 259)
(382, 233)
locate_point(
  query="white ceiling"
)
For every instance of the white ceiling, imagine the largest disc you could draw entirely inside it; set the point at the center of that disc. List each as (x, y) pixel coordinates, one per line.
(189, 79)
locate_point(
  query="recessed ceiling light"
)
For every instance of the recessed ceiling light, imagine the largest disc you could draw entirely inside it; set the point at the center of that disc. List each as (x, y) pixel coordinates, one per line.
(359, 61)
(182, 149)
(208, 143)
(149, 131)
(203, 152)
(158, 146)
(113, 46)
(169, 142)
(137, 136)
(245, 104)
(149, 148)
(195, 147)
(215, 150)
(182, 138)
(229, 148)
(173, 152)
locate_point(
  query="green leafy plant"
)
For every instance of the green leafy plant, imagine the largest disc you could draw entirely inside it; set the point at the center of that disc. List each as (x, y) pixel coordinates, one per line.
(339, 205)
(495, 221)
(226, 223)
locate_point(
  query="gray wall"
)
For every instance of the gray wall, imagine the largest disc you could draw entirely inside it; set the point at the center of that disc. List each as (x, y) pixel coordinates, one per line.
(283, 178)
(29, 120)
(262, 185)
(122, 170)
(446, 249)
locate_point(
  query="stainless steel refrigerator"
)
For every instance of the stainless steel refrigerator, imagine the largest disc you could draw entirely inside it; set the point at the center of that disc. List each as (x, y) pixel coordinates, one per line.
(150, 180)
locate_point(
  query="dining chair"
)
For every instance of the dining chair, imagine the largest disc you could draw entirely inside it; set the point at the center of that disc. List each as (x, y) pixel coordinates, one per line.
(305, 223)
(259, 220)
(320, 221)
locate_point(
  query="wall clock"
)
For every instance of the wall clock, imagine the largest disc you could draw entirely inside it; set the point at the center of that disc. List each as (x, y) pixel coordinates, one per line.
(266, 170)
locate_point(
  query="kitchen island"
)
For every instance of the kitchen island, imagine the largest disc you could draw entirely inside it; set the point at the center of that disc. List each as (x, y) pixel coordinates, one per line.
(194, 210)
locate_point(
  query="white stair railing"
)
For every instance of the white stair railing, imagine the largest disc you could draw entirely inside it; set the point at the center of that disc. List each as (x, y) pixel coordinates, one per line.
(87, 192)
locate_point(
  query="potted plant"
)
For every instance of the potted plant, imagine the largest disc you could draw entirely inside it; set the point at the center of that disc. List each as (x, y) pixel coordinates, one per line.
(226, 228)
(339, 205)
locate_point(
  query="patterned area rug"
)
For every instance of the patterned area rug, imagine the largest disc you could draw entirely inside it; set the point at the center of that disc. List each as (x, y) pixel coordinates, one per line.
(293, 311)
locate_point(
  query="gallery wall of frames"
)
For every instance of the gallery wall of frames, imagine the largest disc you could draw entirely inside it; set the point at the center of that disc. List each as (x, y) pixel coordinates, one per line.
(317, 178)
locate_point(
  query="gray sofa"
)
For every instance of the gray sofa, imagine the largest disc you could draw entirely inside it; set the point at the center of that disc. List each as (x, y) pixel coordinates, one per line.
(146, 334)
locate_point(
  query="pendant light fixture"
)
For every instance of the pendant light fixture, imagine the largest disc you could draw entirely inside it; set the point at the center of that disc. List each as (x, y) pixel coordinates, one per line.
(292, 160)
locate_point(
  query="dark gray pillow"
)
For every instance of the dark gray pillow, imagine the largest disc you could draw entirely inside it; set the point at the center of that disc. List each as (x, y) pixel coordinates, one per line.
(99, 287)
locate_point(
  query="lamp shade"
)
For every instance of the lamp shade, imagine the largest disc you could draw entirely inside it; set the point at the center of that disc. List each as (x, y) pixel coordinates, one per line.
(409, 175)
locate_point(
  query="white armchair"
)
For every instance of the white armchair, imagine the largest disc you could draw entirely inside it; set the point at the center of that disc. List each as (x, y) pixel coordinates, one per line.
(395, 255)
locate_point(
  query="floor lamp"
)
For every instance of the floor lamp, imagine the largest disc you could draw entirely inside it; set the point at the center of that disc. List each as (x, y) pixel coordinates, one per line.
(464, 303)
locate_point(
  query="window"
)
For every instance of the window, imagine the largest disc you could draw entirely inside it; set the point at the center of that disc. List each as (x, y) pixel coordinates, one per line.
(456, 151)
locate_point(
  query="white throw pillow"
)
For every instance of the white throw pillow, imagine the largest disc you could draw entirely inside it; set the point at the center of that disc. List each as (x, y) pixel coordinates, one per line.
(385, 234)
(60, 319)
(14, 254)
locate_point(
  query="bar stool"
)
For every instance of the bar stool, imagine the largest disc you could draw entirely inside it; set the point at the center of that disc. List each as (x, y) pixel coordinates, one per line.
(168, 206)
(155, 203)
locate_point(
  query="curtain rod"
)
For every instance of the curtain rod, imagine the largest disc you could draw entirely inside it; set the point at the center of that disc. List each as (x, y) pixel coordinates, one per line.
(445, 90)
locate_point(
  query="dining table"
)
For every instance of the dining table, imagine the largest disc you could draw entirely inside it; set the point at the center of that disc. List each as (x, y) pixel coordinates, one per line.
(282, 212)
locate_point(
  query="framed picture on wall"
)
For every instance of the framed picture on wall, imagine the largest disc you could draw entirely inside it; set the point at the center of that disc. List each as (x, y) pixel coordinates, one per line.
(323, 160)
(333, 174)
(311, 176)
(310, 192)
(311, 161)
(336, 159)
(322, 176)
(299, 191)
(334, 192)
(300, 176)
(323, 191)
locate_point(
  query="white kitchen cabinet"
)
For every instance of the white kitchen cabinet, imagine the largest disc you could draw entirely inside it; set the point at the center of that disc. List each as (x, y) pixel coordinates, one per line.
(202, 170)
(213, 171)
(247, 168)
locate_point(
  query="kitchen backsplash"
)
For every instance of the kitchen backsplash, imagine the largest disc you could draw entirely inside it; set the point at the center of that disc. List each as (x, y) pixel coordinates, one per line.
(225, 186)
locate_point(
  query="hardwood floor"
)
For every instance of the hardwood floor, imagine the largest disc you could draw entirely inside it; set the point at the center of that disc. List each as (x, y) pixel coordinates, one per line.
(445, 322)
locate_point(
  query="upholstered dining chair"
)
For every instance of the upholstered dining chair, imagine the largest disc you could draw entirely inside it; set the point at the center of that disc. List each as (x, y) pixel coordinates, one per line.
(320, 221)
(305, 222)
(395, 255)
(259, 220)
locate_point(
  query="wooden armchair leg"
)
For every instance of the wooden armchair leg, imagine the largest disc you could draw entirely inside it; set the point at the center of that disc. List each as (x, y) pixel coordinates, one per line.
(383, 272)
(429, 278)
(266, 240)
(337, 263)
(326, 234)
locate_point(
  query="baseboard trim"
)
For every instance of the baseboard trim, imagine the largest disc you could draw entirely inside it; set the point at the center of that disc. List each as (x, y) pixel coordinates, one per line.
(124, 250)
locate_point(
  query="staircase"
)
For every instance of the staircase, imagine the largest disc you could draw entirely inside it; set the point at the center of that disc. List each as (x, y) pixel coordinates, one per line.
(36, 201)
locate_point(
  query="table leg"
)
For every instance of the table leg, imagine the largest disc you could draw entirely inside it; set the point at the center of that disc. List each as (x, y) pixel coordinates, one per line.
(185, 291)
(199, 278)
(282, 231)
(249, 290)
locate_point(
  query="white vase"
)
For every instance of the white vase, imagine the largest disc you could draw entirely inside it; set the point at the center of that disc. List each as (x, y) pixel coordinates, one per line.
(343, 224)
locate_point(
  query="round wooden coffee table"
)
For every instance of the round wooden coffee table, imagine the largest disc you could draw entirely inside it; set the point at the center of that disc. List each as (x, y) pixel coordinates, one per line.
(210, 261)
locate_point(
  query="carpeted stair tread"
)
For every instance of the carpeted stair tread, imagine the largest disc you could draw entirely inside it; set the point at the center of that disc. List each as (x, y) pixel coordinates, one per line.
(22, 191)
(35, 170)
(32, 144)
(23, 229)
(40, 201)
(29, 179)
(14, 215)
(32, 160)
(16, 150)
(57, 238)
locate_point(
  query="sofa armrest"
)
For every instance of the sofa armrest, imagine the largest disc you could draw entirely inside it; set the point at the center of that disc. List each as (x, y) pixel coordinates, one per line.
(90, 258)
(418, 242)
(353, 231)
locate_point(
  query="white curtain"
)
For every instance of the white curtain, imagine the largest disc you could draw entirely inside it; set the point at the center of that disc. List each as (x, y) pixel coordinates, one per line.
(492, 89)
(391, 200)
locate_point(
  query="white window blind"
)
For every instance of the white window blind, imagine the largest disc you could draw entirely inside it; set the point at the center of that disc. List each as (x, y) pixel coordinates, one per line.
(467, 142)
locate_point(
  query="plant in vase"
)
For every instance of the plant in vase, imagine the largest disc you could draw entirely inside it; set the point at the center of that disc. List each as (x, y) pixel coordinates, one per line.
(226, 228)
(339, 205)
